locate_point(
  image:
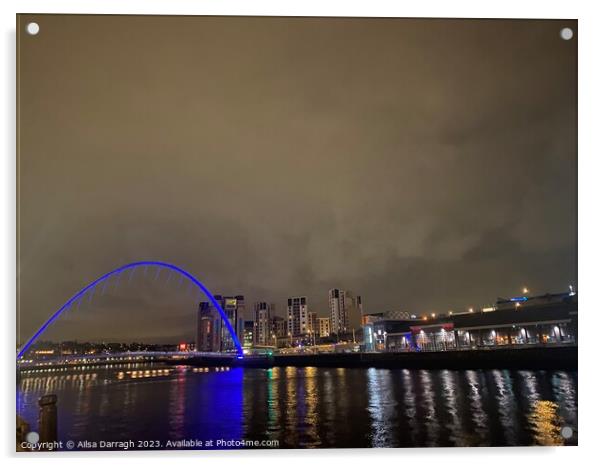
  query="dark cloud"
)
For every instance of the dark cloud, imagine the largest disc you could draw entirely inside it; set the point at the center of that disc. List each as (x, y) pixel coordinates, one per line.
(425, 164)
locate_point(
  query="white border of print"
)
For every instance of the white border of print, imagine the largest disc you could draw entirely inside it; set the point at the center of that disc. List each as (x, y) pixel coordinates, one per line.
(590, 77)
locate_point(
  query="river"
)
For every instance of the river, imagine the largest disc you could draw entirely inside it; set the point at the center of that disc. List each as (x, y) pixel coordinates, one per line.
(305, 407)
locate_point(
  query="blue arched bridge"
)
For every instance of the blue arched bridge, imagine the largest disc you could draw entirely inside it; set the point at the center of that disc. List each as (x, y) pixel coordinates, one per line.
(117, 272)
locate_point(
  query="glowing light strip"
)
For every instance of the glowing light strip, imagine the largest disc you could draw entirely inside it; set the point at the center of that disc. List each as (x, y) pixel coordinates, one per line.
(165, 265)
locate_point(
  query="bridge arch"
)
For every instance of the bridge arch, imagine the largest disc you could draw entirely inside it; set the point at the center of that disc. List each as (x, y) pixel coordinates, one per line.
(118, 271)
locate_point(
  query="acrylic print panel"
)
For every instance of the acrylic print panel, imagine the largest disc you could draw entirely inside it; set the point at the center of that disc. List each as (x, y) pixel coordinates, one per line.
(261, 232)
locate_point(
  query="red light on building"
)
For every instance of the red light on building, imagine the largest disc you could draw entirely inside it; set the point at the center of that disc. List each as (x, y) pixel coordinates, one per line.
(182, 346)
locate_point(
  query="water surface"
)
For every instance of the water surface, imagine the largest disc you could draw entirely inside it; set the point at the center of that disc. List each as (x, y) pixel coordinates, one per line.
(308, 407)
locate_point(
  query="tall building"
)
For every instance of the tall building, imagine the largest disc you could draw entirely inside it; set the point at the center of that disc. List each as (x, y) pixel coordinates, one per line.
(345, 311)
(234, 308)
(312, 322)
(323, 326)
(248, 334)
(279, 326)
(262, 312)
(278, 336)
(208, 328)
(298, 316)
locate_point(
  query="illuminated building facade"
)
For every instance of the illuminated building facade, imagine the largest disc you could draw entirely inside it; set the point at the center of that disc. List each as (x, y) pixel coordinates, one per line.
(546, 320)
(248, 334)
(262, 330)
(323, 327)
(297, 316)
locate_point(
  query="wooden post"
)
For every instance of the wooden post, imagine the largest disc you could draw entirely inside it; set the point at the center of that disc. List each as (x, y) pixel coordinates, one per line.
(48, 419)
(22, 429)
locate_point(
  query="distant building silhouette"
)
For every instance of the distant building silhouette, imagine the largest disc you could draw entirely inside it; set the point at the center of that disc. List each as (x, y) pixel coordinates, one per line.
(345, 311)
(208, 328)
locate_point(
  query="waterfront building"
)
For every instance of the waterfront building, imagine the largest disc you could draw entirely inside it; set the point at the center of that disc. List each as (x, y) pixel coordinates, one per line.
(279, 326)
(312, 327)
(234, 308)
(323, 327)
(282, 342)
(278, 332)
(373, 340)
(248, 338)
(548, 319)
(190, 346)
(262, 312)
(389, 315)
(297, 316)
(313, 322)
(530, 301)
(345, 311)
(212, 334)
(208, 328)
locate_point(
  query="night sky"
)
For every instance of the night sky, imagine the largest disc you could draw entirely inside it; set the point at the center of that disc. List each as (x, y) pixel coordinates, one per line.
(428, 165)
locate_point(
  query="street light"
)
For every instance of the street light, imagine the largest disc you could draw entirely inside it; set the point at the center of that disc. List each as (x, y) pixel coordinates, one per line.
(525, 290)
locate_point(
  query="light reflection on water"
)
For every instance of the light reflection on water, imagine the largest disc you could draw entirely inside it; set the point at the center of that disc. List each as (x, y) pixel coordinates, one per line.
(382, 409)
(546, 423)
(478, 415)
(506, 403)
(409, 403)
(452, 393)
(309, 407)
(431, 422)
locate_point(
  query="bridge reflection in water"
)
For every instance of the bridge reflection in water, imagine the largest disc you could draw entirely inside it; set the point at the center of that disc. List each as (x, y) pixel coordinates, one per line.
(308, 407)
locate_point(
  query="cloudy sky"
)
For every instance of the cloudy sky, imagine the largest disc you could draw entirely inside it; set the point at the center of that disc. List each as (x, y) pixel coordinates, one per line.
(427, 165)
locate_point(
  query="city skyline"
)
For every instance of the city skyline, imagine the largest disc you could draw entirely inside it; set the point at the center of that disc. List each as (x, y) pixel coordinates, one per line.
(192, 335)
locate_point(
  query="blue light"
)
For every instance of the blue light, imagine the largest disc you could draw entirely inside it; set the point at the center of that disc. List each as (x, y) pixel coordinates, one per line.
(117, 271)
(521, 299)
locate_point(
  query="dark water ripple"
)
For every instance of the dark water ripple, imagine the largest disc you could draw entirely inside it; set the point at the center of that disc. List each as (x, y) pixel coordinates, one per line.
(309, 407)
